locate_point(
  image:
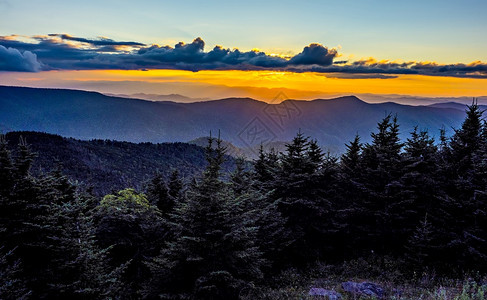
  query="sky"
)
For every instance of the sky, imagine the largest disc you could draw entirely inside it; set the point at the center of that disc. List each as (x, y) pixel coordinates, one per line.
(213, 49)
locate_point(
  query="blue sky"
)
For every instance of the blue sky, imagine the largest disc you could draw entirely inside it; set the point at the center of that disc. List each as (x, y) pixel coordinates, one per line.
(441, 31)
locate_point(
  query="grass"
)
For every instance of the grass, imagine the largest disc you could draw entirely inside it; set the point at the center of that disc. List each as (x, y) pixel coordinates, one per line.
(388, 273)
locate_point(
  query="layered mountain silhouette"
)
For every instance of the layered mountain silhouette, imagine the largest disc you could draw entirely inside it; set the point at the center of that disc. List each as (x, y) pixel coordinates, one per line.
(243, 122)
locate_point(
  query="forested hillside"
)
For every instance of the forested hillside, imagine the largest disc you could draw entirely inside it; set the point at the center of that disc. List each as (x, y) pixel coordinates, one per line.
(111, 165)
(398, 212)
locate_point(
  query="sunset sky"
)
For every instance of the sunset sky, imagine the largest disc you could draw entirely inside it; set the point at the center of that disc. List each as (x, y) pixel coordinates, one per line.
(215, 49)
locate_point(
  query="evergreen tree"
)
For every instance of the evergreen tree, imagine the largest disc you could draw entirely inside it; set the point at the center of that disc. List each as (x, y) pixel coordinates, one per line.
(465, 143)
(265, 167)
(175, 186)
(240, 179)
(381, 174)
(464, 237)
(315, 155)
(80, 267)
(158, 194)
(24, 158)
(301, 192)
(350, 160)
(214, 253)
(272, 236)
(349, 203)
(24, 208)
(134, 231)
(420, 188)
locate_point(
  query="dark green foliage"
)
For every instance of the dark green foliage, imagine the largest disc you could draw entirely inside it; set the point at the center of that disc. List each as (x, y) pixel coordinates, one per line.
(420, 245)
(158, 194)
(265, 167)
(132, 228)
(464, 238)
(240, 179)
(272, 235)
(82, 267)
(350, 160)
(381, 173)
(175, 185)
(11, 283)
(215, 252)
(467, 141)
(419, 183)
(303, 188)
(351, 210)
(111, 165)
(42, 222)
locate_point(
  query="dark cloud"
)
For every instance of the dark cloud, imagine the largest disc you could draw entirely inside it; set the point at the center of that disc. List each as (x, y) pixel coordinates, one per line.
(314, 54)
(12, 59)
(98, 42)
(187, 53)
(66, 52)
(370, 66)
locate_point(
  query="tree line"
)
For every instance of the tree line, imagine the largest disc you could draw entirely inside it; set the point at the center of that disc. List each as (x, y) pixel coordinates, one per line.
(217, 235)
(105, 165)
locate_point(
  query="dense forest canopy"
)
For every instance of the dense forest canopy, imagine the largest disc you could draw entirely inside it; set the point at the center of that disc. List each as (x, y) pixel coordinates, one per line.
(223, 236)
(106, 165)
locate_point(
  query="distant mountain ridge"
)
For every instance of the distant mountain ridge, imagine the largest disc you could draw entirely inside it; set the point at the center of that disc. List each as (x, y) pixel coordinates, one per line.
(158, 97)
(244, 122)
(419, 100)
(455, 105)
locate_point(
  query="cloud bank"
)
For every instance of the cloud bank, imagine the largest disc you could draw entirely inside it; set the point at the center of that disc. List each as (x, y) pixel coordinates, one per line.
(66, 52)
(12, 59)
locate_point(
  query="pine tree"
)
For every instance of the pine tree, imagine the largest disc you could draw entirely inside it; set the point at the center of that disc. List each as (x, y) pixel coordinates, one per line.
(421, 189)
(66, 191)
(24, 158)
(315, 155)
(466, 141)
(350, 160)
(36, 224)
(80, 268)
(240, 180)
(158, 194)
(23, 210)
(295, 160)
(272, 236)
(265, 167)
(464, 237)
(381, 174)
(134, 231)
(350, 204)
(214, 253)
(175, 186)
(301, 192)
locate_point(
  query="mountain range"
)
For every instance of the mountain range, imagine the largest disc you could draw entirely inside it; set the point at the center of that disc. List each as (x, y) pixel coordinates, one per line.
(244, 122)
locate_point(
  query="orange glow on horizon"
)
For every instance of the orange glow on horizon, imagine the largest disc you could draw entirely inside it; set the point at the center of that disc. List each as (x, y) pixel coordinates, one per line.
(263, 84)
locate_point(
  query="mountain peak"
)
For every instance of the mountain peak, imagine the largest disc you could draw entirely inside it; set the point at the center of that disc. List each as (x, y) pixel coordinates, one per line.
(349, 99)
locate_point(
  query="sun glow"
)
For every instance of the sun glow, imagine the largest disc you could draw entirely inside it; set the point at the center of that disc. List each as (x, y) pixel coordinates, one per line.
(263, 84)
